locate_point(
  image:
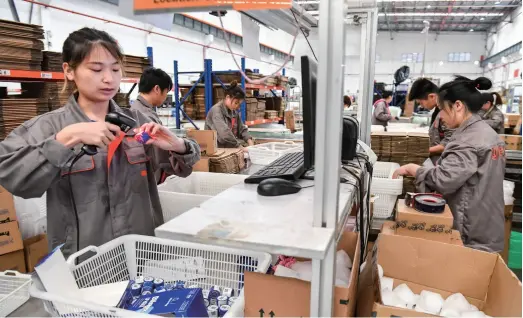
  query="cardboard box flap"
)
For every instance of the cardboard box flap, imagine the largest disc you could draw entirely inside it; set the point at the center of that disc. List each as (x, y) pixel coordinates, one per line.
(386, 311)
(442, 266)
(504, 293)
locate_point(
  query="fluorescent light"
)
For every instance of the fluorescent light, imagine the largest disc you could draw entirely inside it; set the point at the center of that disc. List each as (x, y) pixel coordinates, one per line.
(482, 19)
(471, 30)
(429, 6)
(423, 0)
(438, 14)
(476, 62)
(440, 63)
(504, 60)
(497, 2)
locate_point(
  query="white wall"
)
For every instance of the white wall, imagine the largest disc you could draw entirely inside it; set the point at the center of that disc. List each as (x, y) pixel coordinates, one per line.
(503, 36)
(189, 56)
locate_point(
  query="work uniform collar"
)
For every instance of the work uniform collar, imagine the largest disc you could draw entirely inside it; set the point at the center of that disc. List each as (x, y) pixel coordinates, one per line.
(226, 111)
(470, 121)
(77, 112)
(144, 102)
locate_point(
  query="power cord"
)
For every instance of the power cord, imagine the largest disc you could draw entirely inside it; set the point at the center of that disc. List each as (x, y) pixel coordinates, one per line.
(77, 220)
(305, 36)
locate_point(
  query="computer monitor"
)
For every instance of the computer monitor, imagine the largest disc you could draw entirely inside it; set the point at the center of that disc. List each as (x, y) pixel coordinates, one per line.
(309, 70)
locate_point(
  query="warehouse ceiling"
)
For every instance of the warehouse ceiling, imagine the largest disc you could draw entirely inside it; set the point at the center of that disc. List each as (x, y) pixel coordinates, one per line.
(454, 16)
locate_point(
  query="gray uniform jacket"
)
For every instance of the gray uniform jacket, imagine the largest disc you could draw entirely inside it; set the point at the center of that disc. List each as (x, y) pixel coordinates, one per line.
(439, 134)
(231, 131)
(470, 175)
(143, 106)
(111, 201)
(494, 118)
(381, 115)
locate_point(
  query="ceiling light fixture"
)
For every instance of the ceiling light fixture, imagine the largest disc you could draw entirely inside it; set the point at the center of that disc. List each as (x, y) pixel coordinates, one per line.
(482, 19)
(471, 30)
(476, 62)
(436, 14)
(429, 6)
(497, 2)
(440, 63)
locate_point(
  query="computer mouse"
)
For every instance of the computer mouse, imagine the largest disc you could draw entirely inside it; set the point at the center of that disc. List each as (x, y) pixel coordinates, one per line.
(276, 186)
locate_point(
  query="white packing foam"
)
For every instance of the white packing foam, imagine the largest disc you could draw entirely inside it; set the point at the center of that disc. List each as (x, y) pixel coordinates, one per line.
(430, 302)
(386, 283)
(456, 303)
(404, 293)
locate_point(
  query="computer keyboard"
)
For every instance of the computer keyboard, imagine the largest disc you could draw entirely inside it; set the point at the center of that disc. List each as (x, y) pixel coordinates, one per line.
(289, 166)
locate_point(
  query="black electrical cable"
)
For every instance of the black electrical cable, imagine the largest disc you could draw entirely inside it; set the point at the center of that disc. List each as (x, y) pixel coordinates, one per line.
(305, 36)
(77, 221)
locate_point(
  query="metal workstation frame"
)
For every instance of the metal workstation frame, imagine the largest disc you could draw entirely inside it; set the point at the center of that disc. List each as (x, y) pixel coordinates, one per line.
(207, 75)
(328, 126)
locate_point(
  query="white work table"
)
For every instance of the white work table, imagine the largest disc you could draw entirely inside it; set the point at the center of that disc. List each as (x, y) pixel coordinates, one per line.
(240, 218)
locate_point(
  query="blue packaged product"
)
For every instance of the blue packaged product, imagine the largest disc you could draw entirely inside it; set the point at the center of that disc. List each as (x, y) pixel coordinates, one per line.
(147, 289)
(206, 302)
(229, 292)
(148, 282)
(168, 286)
(222, 300)
(146, 292)
(232, 300)
(176, 302)
(215, 291)
(160, 289)
(205, 294)
(213, 301)
(158, 282)
(223, 310)
(139, 280)
(180, 284)
(126, 297)
(136, 289)
(212, 311)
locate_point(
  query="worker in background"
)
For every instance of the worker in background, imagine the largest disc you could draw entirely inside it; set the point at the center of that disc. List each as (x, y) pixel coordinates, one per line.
(381, 115)
(225, 118)
(471, 169)
(152, 91)
(113, 192)
(490, 112)
(153, 88)
(346, 102)
(425, 93)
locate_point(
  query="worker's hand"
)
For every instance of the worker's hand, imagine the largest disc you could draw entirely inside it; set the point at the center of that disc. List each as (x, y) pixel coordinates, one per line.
(406, 170)
(99, 134)
(162, 137)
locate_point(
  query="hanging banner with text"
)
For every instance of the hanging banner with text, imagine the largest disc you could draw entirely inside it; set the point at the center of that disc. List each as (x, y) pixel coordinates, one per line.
(156, 6)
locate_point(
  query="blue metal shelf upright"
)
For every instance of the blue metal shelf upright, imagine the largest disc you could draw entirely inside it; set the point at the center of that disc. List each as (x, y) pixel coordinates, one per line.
(207, 76)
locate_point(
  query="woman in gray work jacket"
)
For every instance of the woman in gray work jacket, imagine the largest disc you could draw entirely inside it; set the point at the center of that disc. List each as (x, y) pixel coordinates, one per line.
(114, 192)
(471, 169)
(490, 112)
(381, 115)
(226, 120)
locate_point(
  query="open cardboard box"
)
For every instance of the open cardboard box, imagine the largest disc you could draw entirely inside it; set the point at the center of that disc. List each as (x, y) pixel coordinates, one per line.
(290, 297)
(390, 227)
(483, 278)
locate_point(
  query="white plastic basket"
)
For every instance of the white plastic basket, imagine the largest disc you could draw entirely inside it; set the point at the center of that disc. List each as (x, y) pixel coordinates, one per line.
(14, 291)
(385, 188)
(179, 195)
(264, 154)
(130, 256)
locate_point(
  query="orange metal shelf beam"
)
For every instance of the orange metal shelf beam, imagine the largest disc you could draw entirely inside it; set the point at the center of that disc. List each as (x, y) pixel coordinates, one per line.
(19, 75)
(261, 121)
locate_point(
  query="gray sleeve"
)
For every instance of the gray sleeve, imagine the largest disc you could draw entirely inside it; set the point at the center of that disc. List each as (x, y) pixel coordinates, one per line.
(243, 130)
(381, 112)
(447, 132)
(224, 132)
(496, 120)
(458, 163)
(29, 164)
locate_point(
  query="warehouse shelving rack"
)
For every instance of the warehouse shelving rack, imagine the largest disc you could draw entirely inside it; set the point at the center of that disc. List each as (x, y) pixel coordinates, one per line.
(207, 76)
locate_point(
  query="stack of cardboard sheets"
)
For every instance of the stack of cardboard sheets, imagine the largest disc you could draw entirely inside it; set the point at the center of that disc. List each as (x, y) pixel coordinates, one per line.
(255, 109)
(400, 147)
(52, 61)
(134, 65)
(21, 46)
(15, 111)
(52, 92)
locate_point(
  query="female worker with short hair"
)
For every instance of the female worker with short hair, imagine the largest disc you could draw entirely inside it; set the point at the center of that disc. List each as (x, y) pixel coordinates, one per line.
(425, 93)
(490, 112)
(111, 193)
(381, 115)
(225, 118)
(471, 169)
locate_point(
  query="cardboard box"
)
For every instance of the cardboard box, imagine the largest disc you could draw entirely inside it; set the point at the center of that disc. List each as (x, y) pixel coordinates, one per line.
(7, 206)
(513, 142)
(483, 278)
(508, 229)
(290, 122)
(10, 237)
(512, 119)
(290, 297)
(431, 226)
(35, 248)
(389, 227)
(202, 165)
(13, 261)
(207, 139)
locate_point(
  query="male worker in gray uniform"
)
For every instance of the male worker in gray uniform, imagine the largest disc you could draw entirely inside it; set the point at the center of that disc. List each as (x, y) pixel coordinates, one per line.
(153, 88)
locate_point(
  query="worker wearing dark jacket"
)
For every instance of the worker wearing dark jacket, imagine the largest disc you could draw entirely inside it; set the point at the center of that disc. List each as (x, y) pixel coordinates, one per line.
(153, 88)
(226, 120)
(114, 192)
(425, 93)
(490, 112)
(381, 115)
(471, 169)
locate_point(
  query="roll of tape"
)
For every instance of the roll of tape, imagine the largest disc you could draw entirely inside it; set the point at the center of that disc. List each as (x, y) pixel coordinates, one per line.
(429, 203)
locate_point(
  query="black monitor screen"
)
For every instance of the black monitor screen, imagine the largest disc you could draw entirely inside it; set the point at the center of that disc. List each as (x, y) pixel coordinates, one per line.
(309, 70)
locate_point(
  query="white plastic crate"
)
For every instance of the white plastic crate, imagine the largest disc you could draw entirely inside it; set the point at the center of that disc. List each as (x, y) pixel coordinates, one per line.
(385, 188)
(264, 154)
(131, 256)
(179, 195)
(14, 291)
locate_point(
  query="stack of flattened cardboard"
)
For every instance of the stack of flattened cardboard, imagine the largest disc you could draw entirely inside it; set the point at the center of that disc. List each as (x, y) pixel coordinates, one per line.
(11, 245)
(52, 92)
(21, 46)
(15, 111)
(417, 148)
(134, 66)
(194, 104)
(52, 61)
(400, 147)
(271, 114)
